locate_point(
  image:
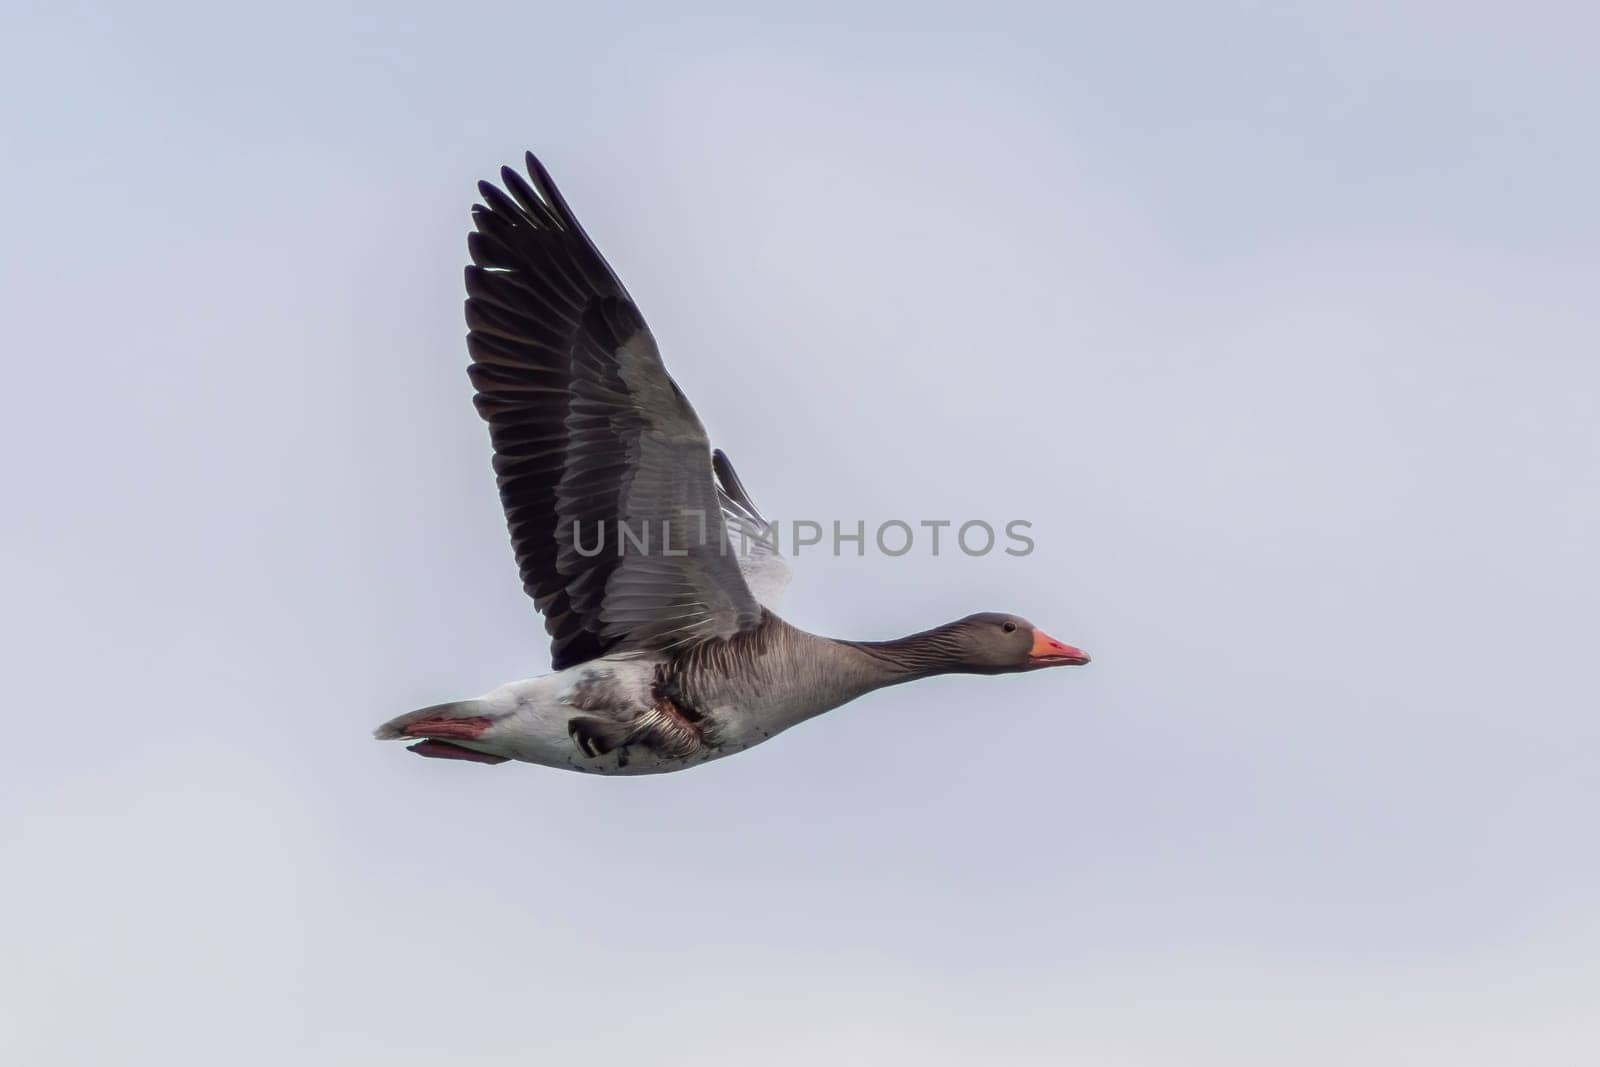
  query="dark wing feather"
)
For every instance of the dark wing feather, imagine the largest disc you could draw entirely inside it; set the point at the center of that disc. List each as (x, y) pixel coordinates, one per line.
(589, 430)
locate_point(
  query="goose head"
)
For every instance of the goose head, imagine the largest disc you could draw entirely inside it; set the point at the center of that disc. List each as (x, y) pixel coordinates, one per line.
(996, 643)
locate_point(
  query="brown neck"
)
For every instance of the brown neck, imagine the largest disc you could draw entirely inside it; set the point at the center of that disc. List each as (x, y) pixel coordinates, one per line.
(920, 655)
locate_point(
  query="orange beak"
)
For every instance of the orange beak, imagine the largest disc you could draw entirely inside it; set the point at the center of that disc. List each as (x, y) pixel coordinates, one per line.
(1047, 652)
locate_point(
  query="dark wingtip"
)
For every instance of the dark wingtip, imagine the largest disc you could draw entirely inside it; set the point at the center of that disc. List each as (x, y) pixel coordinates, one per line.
(546, 186)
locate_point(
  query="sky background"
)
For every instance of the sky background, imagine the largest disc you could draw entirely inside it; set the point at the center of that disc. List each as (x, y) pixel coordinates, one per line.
(1278, 321)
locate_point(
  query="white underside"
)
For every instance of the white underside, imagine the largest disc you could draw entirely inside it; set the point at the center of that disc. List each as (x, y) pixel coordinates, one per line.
(530, 720)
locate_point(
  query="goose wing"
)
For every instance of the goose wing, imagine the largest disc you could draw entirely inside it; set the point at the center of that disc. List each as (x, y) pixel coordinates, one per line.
(604, 469)
(753, 538)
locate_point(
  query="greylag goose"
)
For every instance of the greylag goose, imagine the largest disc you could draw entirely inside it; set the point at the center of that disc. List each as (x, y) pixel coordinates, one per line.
(667, 649)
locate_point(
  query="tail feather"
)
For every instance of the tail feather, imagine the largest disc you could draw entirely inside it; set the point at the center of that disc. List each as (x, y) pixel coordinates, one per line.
(463, 719)
(445, 750)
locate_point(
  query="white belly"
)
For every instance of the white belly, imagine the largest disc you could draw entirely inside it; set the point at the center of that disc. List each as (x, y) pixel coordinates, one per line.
(531, 718)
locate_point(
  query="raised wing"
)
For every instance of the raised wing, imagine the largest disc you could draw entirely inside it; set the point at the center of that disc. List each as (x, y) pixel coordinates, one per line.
(604, 469)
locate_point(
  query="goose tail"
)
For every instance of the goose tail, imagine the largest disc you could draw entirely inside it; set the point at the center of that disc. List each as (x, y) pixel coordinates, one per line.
(446, 731)
(460, 719)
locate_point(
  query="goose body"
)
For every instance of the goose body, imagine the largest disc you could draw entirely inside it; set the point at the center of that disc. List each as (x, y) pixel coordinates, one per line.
(653, 568)
(646, 713)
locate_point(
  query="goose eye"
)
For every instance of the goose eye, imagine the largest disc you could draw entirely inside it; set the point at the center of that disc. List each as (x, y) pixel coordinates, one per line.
(1010, 627)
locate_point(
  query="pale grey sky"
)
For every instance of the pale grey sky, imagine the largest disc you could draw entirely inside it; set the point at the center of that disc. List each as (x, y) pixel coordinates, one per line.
(1278, 321)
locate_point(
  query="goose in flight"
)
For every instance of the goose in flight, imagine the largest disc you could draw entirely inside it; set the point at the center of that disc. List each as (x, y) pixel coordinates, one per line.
(655, 572)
